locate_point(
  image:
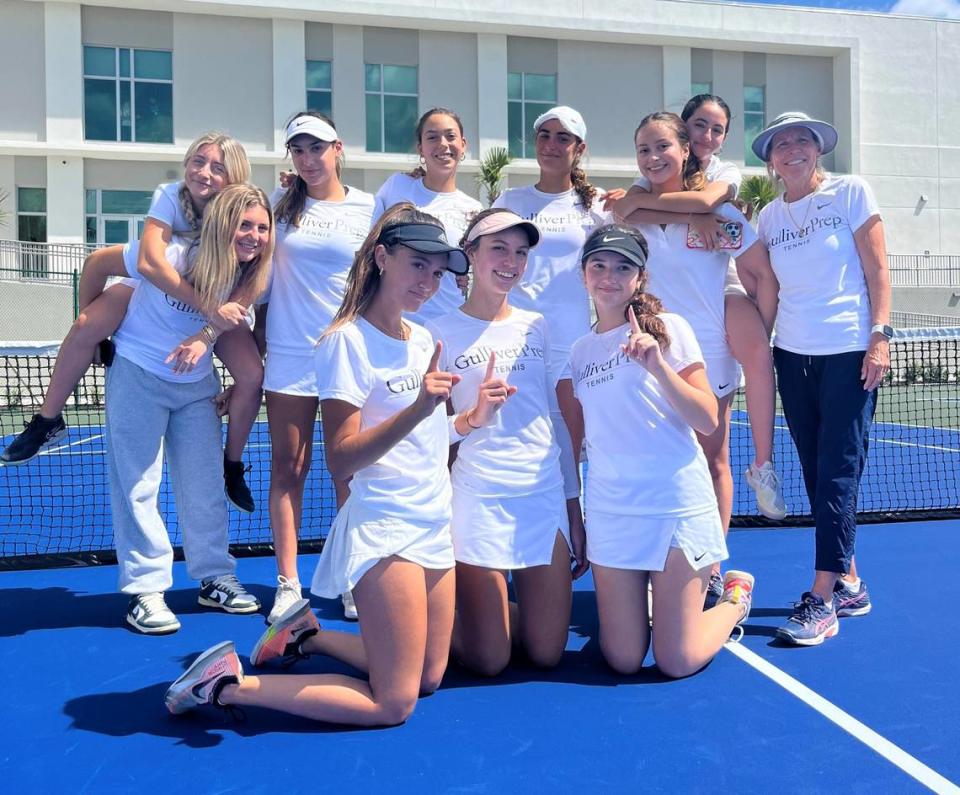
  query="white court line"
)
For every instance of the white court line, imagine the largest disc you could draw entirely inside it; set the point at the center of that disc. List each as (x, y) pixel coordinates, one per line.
(892, 753)
(58, 448)
(886, 441)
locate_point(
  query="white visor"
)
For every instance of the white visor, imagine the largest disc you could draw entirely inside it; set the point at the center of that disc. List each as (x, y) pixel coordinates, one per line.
(310, 125)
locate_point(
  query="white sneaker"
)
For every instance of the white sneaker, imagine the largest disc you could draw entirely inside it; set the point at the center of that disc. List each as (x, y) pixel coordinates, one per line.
(349, 606)
(766, 485)
(289, 592)
(148, 613)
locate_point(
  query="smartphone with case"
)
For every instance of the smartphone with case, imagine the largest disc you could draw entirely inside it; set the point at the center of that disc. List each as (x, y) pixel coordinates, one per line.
(733, 240)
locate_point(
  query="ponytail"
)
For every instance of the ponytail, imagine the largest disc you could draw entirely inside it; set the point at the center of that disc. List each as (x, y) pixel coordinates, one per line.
(581, 185)
(648, 308)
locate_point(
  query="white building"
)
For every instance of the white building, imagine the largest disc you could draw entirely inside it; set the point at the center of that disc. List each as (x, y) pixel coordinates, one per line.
(98, 101)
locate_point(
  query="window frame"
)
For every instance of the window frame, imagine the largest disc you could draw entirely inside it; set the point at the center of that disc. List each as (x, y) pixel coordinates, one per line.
(382, 93)
(749, 158)
(326, 91)
(131, 80)
(523, 102)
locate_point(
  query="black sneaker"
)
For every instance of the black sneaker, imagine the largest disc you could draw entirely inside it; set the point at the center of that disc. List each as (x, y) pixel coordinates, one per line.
(236, 487)
(38, 434)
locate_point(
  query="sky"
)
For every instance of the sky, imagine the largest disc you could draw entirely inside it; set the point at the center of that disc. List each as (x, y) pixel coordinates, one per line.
(949, 9)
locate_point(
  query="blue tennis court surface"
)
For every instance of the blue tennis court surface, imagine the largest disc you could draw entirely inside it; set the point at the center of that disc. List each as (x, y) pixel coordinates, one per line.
(84, 697)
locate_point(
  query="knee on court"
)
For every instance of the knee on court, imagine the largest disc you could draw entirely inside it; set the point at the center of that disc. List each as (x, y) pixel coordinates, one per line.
(675, 665)
(624, 661)
(544, 655)
(490, 661)
(396, 710)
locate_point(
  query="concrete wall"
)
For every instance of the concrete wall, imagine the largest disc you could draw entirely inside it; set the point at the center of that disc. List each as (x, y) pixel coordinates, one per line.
(241, 104)
(448, 79)
(596, 78)
(22, 100)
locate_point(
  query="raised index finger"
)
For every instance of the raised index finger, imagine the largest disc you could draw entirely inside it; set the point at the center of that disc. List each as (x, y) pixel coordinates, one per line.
(432, 367)
(490, 365)
(634, 322)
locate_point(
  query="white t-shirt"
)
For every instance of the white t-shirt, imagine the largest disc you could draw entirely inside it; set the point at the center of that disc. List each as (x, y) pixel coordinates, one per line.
(381, 376)
(552, 284)
(454, 210)
(717, 170)
(824, 304)
(690, 282)
(156, 323)
(517, 453)
(644, 457)
(166, 208)
(310, 267)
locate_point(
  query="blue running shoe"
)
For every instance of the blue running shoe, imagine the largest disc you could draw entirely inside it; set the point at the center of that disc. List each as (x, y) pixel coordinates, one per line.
(848, 602)
(811, 624)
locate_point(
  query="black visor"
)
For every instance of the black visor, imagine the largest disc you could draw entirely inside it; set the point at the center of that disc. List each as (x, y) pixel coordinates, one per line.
(427, 239)
(617, 242)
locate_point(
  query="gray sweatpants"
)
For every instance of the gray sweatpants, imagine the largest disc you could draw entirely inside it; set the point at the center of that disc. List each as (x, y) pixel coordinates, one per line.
(145, 417)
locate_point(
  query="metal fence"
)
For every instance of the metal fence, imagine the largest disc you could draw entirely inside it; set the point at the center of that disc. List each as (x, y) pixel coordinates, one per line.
(924, 270)
(56, 263)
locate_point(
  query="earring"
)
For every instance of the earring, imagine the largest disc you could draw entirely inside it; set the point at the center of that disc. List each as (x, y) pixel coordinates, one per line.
(463, 156)
(423, 160)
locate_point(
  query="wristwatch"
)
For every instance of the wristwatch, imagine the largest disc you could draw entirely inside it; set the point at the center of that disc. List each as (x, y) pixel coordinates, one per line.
(882, 328)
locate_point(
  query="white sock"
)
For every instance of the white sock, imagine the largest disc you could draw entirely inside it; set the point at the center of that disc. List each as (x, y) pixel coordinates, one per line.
(851, 585)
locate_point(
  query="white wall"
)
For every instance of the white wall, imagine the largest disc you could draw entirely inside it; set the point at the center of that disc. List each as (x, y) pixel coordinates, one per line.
(613, 86)
(441, 85)
(238, 97)
(22, 90)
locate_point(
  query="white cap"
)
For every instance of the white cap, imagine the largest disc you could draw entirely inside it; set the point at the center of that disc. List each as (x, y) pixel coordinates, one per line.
(569, 119)
(310, 125)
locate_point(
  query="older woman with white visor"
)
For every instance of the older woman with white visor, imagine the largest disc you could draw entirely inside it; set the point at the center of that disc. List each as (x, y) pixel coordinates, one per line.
(831, 348)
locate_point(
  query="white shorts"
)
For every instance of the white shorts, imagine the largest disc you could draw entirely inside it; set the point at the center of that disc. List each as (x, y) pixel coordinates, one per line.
(360, 538)
(641, 543)
(723, 373)
(508, 532)
(731, 282)
(290, 374)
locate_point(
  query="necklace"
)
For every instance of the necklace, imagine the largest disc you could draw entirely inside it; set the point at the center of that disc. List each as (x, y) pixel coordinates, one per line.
(802, 227)
(403, 335)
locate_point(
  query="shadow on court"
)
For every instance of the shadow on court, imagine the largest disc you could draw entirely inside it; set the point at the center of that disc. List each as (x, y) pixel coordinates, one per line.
(31, 609)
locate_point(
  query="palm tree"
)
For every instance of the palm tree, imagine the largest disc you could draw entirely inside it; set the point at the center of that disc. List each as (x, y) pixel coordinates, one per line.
(757, 192)
(490, 177)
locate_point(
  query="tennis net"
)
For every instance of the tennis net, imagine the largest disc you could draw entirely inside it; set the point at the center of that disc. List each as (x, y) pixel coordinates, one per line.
(56, 508)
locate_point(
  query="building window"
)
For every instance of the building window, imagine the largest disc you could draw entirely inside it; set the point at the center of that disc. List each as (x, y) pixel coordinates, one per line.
(320, 87)
(32, 228)
(127, 95)
(753, 121)
(115, 216)
(391, 95)
(700, 88)
(528, 96)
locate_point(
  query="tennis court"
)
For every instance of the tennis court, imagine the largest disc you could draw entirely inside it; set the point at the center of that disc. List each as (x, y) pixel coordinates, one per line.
(874, 710)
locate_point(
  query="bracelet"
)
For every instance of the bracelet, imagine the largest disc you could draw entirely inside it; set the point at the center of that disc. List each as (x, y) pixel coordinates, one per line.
(466, 419)
(209, 333)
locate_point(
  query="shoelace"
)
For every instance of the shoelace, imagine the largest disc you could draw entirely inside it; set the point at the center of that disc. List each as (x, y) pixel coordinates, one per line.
(230, 584)
(153, 602)
(803, 611)
(767, 477)
(296, 654)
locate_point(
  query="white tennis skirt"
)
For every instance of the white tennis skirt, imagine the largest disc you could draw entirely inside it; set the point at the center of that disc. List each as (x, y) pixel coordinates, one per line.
(724, 374)
(642, 543)
(508, 532)
(732, 284)
(361, 538)
(290, 374)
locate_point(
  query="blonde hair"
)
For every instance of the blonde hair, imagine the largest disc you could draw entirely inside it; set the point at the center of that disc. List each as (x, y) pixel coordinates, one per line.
(215, 270)
(693, 176)
(234, 161)
(363, 280)
(291, 204)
